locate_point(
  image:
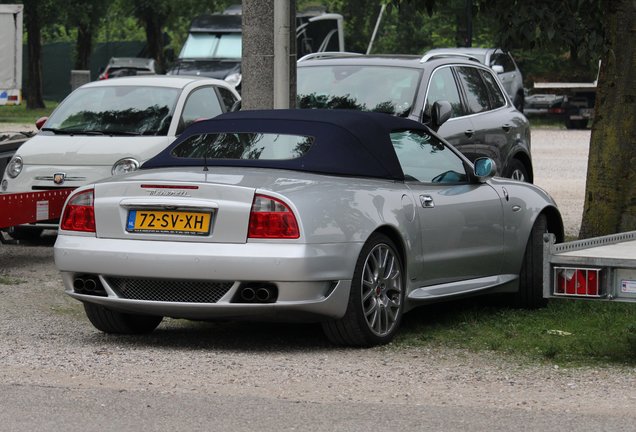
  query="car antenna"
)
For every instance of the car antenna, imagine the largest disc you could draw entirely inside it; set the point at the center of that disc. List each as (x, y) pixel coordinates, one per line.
(205, 158)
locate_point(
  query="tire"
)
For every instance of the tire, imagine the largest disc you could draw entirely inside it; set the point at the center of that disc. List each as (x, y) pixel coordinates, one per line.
(110, 321)
(530, 294)
(517, 171)
(518, 102)
(376, 300)
(24, 233)
(575, 124)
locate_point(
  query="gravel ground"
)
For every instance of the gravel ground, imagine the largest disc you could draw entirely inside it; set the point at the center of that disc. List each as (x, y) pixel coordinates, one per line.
(47, 343)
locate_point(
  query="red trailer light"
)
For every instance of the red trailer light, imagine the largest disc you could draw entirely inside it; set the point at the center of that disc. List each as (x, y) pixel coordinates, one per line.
(577, 281)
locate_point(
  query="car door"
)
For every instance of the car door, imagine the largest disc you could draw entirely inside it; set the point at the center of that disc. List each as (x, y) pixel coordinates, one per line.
(459, 129)
(460, 222)
(509, 75)
(495, 135)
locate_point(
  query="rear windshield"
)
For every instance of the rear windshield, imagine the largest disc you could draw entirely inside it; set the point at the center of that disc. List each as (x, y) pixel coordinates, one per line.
(113, 110)
(365, 88)
(243, 145)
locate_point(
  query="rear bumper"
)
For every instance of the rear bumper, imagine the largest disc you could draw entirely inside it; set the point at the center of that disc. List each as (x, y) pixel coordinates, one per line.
(312, 281)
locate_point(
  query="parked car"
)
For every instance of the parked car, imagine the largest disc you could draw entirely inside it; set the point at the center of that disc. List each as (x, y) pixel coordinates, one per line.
(544, 103)
(483, 120)
(127, 66)
(346, 218)
(500, 61)
(110, 127)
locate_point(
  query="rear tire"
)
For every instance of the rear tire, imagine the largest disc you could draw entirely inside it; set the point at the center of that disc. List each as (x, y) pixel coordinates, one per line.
(530, 294)
(110, 321)
(375, 306)
(519, 101)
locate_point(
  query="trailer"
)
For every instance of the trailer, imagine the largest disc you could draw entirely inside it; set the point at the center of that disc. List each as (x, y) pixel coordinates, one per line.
(578, 100)
(11, 52)
(599, 268)
(31, 207)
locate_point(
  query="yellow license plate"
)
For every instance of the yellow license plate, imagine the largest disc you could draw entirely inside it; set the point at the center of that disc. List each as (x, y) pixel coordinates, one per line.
(169, 222)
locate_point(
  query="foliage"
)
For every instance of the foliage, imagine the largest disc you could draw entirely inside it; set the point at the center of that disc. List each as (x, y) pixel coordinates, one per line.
(567, 332)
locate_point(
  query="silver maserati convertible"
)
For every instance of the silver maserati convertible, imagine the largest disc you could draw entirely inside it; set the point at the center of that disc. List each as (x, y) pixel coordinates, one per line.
(345, 218)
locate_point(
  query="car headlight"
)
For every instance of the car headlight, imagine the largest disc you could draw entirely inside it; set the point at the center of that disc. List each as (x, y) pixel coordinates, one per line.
(124, 166)
(234, 79)
(14, 168)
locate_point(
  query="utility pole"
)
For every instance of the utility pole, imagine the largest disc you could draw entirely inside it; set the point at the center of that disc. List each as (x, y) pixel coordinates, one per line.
(269, 54)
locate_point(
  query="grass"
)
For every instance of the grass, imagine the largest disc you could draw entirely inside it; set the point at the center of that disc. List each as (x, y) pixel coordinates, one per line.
(567, 332)
(542, 121)
(4, 280)
(20, 113)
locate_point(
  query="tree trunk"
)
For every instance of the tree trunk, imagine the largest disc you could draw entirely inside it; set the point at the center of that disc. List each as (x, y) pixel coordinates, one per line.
(34, 83)
(154, 38)
(83, 46)
(610, 198)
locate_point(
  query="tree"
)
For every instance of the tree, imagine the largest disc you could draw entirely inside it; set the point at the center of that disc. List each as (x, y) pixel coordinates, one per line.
(153, 15)
(37, 13)
(85, 16)
(610, 199)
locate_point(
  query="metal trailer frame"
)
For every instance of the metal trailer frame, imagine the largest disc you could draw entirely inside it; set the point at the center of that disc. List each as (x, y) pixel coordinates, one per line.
(608, 261)
(30, 207)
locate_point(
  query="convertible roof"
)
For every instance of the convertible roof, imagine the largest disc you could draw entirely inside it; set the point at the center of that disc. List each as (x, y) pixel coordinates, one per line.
(345, 142)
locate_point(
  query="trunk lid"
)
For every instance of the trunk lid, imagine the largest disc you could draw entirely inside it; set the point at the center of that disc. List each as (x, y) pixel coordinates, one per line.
(193, 208)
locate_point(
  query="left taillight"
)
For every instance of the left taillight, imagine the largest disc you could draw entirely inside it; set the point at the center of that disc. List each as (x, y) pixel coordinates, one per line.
(79, 213)
(271, 218)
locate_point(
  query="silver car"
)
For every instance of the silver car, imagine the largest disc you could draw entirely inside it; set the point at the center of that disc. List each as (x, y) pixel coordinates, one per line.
(340, 217)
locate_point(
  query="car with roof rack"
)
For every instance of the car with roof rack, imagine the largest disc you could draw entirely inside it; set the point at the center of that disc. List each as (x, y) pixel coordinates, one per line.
(456, 95)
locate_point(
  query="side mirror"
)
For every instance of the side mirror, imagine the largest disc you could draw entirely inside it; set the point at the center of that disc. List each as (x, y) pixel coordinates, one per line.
(40, 122)
(485, 168)
(497, 68)
(440, 112)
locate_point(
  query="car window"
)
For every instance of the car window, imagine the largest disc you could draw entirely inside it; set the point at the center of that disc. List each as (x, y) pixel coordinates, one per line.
(227, 97)
(202, 103)
(243, 145)
(443, 86)
(476, 91)
(212, 45)
(426, 159)
(116, 109)
(365, 88)
(496, 96)
(503, 60)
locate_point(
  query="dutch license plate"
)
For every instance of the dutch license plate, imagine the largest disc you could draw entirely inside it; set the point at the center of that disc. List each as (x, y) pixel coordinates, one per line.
(169, 222)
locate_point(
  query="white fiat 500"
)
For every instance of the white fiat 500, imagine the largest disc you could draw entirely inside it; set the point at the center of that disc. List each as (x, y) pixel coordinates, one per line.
(110, 127)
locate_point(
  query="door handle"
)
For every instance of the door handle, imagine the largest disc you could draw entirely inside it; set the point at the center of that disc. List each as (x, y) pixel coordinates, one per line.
(427, 201)
(506, 127)
(469, 133)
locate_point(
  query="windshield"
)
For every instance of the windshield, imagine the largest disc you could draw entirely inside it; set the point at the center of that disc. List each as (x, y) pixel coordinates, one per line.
(243, 145)
(212, 45)
(365, 88)
(125, 110)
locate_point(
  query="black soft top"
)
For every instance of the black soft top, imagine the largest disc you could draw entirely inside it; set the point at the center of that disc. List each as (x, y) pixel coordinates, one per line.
(345, 142)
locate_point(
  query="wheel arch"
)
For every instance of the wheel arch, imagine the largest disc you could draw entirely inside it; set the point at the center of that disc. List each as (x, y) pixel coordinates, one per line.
(394, 235)
(555, 223)
(527, 163)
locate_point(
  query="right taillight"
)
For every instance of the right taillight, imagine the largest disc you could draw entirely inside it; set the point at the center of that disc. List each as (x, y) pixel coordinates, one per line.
(271, 218)
(79, 213)
(577, 281)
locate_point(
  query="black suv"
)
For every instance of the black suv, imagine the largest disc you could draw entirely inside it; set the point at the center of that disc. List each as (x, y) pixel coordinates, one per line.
(459, 98)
